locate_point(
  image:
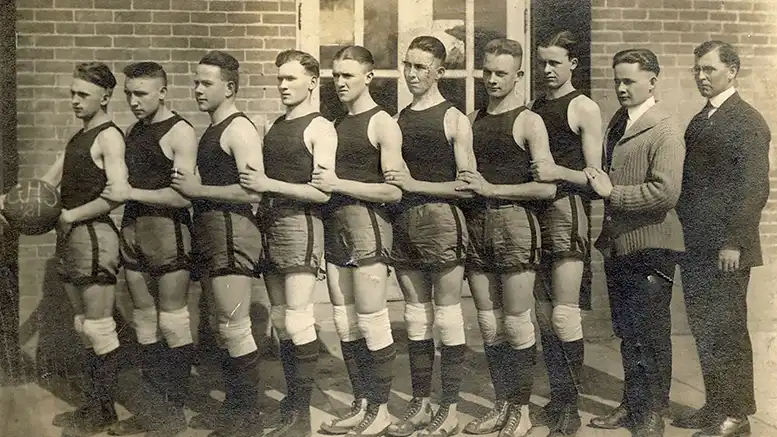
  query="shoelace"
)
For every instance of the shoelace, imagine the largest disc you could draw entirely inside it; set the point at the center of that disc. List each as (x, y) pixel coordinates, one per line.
(513, 419)
(356, 408)
(439, 418)
(492, 413)
(372, 414)
(413, 408)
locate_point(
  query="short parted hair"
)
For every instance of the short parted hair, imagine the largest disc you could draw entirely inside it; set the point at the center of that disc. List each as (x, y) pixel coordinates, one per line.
(504, 46)
(646, 59)
(97, 73)
(150, 70)
(356, 53)
(429, 44)
(726, 52)
(564, 39)
(227, 63)
(305, 59)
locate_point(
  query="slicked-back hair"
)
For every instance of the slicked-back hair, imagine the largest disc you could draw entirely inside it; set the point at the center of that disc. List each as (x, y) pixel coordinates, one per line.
(646, 59)
(726, 52)
(564, 39)
(97, 73)
(305, 59)
(229, 66)
(356, 53)
(429, 44)
(150, 70)
(504, 46)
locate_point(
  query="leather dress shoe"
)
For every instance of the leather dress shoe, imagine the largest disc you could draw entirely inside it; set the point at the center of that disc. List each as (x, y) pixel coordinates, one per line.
(651, 426)
(702, 418)
(618, 418)
(728, 427)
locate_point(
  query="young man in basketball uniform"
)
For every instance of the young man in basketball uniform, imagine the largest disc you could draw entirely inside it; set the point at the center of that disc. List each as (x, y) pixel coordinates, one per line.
(293, 230)
(226, 236)
(156, 245)
(574, 129)
(358, 239)
(430, 237)
(88, 241)
(504, 245)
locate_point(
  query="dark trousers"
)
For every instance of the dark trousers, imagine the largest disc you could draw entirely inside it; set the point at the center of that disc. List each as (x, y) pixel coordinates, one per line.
(716, 303)
(9, 317)
(640, 291)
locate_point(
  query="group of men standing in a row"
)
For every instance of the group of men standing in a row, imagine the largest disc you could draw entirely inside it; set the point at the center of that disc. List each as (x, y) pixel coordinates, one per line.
(498, 197)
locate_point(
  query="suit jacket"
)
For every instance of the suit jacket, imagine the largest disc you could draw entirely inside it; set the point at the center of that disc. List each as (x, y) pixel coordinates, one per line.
(646, 173)
(725, 182)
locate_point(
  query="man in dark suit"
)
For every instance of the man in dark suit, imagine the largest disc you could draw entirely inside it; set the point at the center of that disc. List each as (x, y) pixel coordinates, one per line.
(725, 187)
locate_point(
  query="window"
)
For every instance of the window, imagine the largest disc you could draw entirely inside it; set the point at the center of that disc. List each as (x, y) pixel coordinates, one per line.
(386, 27)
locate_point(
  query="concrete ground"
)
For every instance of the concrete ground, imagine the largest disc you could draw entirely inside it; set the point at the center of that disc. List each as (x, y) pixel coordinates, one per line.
(26, 410)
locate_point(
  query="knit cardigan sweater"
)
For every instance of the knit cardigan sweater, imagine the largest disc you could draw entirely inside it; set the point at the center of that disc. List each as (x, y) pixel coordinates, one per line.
(646, 173)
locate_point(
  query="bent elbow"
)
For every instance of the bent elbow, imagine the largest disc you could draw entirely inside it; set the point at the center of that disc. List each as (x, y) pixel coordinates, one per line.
(322, 198)
(393, 195)
(549, 191)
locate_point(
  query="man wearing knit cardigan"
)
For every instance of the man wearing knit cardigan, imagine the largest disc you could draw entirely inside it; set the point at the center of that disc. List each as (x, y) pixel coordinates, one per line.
(641, 238)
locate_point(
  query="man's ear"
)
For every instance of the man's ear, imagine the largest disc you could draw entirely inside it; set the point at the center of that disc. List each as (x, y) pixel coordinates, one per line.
(575, 62)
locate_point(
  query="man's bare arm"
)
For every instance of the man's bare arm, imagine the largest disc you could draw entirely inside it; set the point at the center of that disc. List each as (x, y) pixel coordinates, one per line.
(110, 145)
(589, 121)
(53, 176)
(183, 143)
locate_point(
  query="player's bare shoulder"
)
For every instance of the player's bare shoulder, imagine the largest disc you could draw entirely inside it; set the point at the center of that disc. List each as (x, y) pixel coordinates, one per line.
(109, 140)
(381, 127)
(526, 125)
(240, 131)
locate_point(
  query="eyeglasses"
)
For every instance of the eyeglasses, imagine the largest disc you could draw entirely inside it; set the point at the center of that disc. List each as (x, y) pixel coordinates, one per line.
(707, 70)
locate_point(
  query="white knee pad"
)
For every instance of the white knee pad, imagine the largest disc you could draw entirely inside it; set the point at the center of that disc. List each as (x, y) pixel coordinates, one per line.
(449, 320)
(492, 326)
(78, 325)
(175, 327)
(567, 322)
(146, 325)
(238, 337)
(419, 319)
(347, 322)
(102, 334)
(520, 330)
(278, 320)
(301, 324)
(376, 329)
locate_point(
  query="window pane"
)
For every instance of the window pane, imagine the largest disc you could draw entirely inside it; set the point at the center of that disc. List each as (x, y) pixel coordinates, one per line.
(380, 32)
(336, 28)
(448, 27)
(383, 90)
(481, 95)
(490, 23)
(455, 90)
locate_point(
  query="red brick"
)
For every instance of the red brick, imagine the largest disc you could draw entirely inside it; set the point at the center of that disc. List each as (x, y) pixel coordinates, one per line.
(77, 4)
(263, 105)
(114, 54)
(767, 6)
(662, 15)
(288, 31)
(53, 66)
(634, 14)
(114, 29)
(151, 4)
(621, 3)
(288, 7)
(752, 17)
(37, 4)
(86, 16)
(209, 17)
(228, 31)
(25, 40)
(225, 5)
(190, 30)
(694, 15)
(619, 25)
(679, 49)
(714, 5)
(244, 43)
(664, 37)
(677, 26)
(153, 29)
(71, 54)
(25, 15)
(132, 16)
(755, 39)
(262, 30)
(707, 27)
(112, 4)
(606, 14)
(723, 16)
(54, 15)
(734, 28)
(737, 6)
(280, 43)
(33, 27)
(177, 67)
(187, 55)
(244, 18)
(189, 5)
(207, 43)
(170, 42)
(145, 54)
(53, 41)
(258, 5)
(93, 41)
(75, 28)
(635, 37)
(647, 25)
(677, 4)
(132, 41)
(170, 17)
(33, 79)
(34, 53)
(697, 37)
(279, 18)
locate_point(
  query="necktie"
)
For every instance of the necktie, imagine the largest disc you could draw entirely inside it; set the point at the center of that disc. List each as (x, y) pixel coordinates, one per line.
(615, 134)
(705, 112)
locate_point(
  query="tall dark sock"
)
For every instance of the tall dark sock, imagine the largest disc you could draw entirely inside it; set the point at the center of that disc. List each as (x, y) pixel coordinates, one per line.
(553, 354)
(573, 354)
(289, 363)
(451, 372)
(153, 365)
(356, 358)
(246, 372)
(104, 383)
(228, 375)
(495, 357)
(521, 367)
(181, 359)
(383, 374)
(421, 354)
(306, 356)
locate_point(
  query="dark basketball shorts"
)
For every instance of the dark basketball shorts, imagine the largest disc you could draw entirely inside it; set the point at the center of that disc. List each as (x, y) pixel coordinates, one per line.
(155, 245)
(503, 239)
(292, 239)
(357, 234)
(566, 234)
(226, 243)
(89, 254)
(429, 236)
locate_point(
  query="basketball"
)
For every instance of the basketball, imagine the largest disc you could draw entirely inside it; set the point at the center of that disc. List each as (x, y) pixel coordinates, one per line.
(32, 207)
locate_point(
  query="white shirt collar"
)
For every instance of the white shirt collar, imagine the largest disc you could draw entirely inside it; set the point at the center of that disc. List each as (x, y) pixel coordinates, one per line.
(637, 111)
(722, 97)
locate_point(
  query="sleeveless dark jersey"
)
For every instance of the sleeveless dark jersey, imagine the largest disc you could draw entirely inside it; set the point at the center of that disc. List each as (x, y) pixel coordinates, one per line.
(356, 158)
